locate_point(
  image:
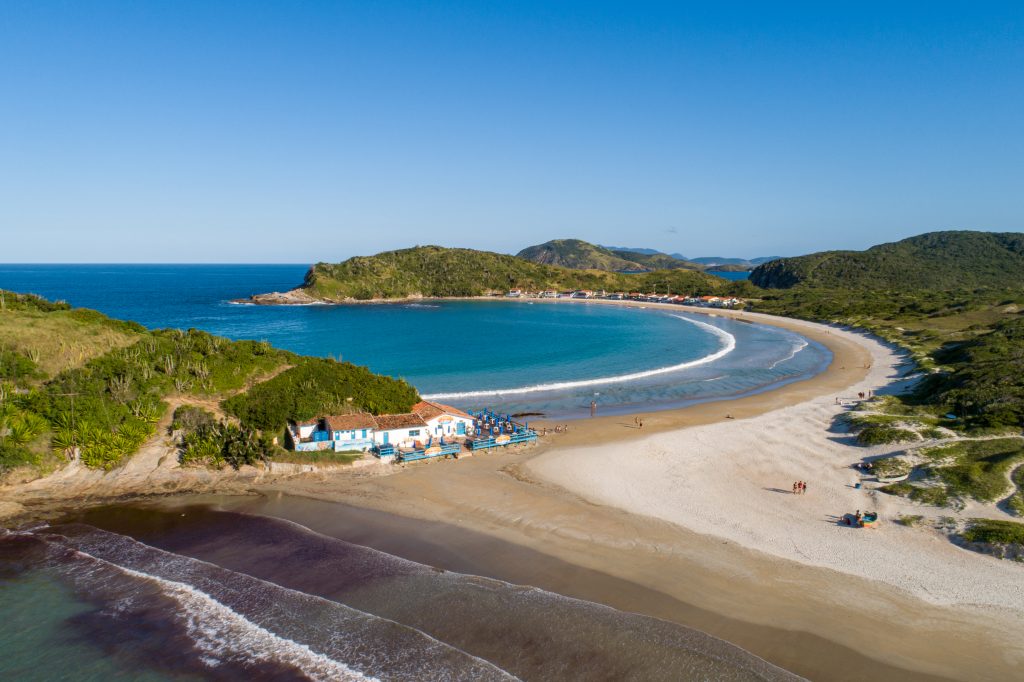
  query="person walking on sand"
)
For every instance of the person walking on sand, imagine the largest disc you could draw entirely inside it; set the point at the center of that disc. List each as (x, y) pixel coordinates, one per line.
(796, 487)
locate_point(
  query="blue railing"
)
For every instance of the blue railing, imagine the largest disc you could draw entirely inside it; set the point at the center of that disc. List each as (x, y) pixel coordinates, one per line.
(525, 436)
(438, 451)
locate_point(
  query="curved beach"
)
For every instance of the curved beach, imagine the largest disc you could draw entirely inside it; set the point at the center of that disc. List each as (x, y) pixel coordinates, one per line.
(696, 507)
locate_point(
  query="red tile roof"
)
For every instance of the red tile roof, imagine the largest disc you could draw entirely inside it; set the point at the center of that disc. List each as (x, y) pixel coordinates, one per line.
(386, 422)
(428, 410)
(351, 422)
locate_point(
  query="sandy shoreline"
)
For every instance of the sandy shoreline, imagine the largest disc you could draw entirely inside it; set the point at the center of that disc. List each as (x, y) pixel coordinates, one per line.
(692, 495)
(688, 508)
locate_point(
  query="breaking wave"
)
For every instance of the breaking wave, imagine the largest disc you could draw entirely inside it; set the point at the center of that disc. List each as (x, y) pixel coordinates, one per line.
(728, 344)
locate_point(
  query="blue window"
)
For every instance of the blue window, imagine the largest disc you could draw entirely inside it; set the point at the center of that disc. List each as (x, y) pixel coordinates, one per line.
(414, 432)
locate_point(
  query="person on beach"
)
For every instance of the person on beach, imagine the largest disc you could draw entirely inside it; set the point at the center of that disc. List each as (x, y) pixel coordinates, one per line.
(640, 422)
(796, 487)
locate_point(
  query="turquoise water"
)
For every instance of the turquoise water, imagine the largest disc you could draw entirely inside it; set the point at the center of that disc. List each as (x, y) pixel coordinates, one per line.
(194, 593)
(517, 356)
(40, 627)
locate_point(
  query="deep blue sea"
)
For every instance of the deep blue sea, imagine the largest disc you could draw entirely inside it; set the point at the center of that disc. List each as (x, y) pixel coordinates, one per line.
(518, 356)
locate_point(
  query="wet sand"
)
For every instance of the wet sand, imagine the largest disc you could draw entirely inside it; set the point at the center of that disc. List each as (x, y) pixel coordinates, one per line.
(809, 619)
(491, 515)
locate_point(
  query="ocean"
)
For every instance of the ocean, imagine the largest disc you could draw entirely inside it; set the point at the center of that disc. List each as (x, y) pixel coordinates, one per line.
(193, 592)
(201, 593)
(513, 356)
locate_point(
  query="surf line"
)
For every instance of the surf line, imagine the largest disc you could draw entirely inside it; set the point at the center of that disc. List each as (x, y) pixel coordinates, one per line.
(727, 346)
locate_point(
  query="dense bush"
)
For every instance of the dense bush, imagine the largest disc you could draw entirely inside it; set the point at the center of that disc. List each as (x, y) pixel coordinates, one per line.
(18, 368)
(317, 387)
(218, 443)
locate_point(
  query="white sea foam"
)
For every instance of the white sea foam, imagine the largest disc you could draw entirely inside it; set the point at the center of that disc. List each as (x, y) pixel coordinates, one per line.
(798, 346)
(728, 345)
(214, 628)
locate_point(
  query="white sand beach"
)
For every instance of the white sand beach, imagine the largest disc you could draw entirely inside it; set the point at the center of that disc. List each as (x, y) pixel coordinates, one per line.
(733, 479)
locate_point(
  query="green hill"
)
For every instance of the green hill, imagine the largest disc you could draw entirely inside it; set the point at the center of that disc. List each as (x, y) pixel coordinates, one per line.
(75, 378)
(657, 261)
(936, 261)
(438, 272)
(580, 255)
(954, 300)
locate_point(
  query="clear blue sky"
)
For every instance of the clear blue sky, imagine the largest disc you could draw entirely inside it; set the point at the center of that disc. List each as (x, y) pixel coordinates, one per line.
(303, 131)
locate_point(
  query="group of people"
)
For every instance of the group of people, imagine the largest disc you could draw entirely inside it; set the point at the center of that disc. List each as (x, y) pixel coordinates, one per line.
(799, 487)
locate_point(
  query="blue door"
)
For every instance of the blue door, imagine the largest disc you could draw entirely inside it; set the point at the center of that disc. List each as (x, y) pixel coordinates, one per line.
(385, 438)
(460, 428)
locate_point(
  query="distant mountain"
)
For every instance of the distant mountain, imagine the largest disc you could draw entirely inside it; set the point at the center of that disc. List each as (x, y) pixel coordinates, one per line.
(936, 260)
(580, 255)
(649, 252)
(709, 262)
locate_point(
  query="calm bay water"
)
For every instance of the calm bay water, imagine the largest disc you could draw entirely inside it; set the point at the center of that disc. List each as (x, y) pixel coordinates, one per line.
(150, 595)
(516, 356)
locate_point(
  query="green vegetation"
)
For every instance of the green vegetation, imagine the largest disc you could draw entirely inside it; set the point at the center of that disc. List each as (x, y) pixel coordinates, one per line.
(1016, 501)
(994, 532)
(580, 255)
(909, 520)
(953, 300)
(106, 397)
(433, 271)
(982, 259)
(219, 443)
(657, 261)
(930, 495)
(891, 467)
(318, 387)
(975, 469)
(884, 435)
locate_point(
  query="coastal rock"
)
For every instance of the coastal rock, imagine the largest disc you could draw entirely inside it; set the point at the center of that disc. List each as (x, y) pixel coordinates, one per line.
(293, 297)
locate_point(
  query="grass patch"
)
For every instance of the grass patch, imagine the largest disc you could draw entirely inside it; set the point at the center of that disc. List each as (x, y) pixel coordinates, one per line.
(1016, 502)
(932, 495)
(888, 467)
(979, 468)
(995, 532)
(61, 340)
(909, 520)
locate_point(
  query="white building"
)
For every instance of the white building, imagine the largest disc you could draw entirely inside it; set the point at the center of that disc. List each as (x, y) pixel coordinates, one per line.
(401, 430)
(444, 420)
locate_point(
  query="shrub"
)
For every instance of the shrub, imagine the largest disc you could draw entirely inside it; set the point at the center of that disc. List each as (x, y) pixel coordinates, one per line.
(888, 467)
(884, 435)
(317, 387)
(994, 532)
